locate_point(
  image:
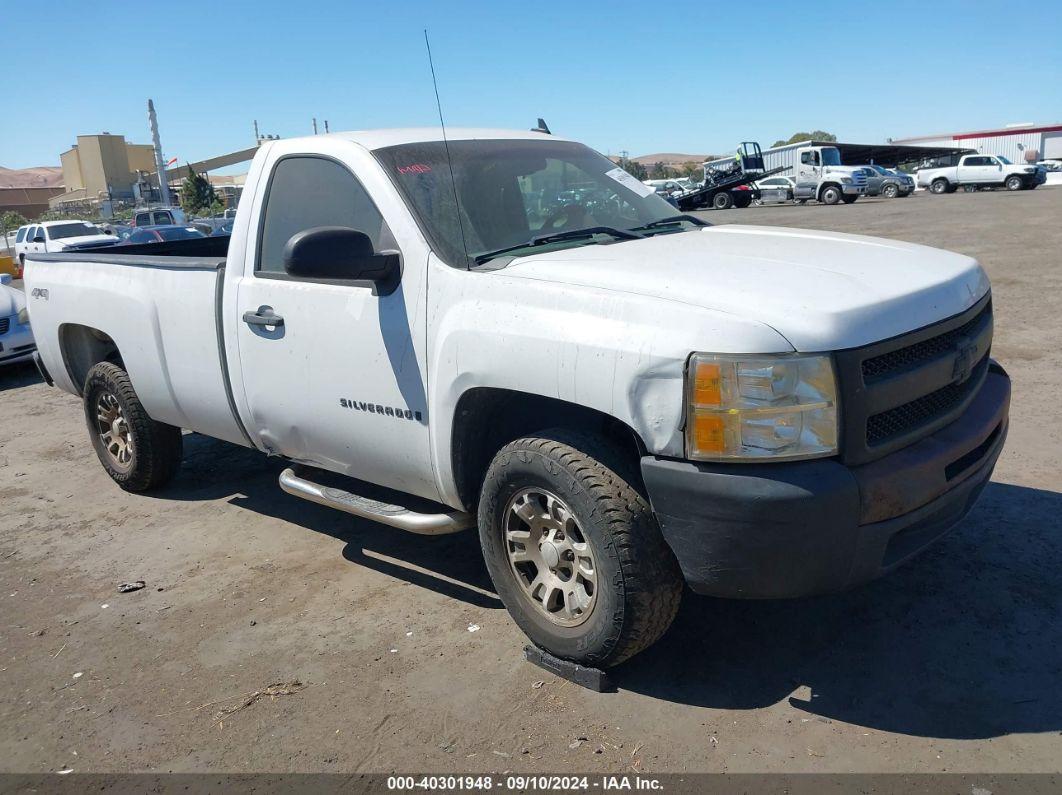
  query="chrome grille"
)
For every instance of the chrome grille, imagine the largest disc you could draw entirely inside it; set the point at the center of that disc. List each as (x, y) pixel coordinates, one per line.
(5, 324)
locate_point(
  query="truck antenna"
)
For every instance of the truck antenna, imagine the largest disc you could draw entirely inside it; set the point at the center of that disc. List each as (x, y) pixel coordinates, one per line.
(446, 146)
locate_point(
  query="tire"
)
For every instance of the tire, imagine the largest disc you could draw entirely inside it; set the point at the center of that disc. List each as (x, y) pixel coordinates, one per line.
(145, 454)
(21, 265)
(938, 186)
(637, 585)
(890, 191)
(831, 194)
(1014, 182)
(743, 201)
(722, 201)
(849, 199)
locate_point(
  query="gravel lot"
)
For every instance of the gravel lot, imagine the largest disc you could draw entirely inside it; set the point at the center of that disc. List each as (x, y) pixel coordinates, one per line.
(952, 663)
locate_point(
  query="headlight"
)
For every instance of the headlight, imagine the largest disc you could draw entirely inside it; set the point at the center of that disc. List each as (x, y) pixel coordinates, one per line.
(757, 407)
(1030, 170)
(846, 180)
(23, 316)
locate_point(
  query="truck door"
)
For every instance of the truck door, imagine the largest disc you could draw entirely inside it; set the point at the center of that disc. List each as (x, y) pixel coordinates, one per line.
(339, 382)
(808, 169)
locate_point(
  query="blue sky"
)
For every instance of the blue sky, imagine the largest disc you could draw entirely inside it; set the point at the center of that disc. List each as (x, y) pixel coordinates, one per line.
(637, 76)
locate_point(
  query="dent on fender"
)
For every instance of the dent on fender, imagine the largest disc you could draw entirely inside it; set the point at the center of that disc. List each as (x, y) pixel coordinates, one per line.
(654, 400)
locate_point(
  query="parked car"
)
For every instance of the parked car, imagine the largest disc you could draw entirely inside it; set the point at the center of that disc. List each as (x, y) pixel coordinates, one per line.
(160, 216)
(777, 188)
(54, 236)
(981, 171)
(623, 399)
(1051, 165)
(224, 229)
(161, 234)
(820, 176)
(16, 337)
(890, 184)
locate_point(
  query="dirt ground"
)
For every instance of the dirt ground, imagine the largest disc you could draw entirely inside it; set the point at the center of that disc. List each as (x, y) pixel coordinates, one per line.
(951, 664)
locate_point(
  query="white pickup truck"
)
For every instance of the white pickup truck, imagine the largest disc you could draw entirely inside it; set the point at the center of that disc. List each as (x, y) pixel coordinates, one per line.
(508, 331)
(981, 171)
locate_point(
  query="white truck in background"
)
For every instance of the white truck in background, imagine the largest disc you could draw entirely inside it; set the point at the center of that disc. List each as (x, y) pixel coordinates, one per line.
(819, 175)
(508, 331)
(981, 171)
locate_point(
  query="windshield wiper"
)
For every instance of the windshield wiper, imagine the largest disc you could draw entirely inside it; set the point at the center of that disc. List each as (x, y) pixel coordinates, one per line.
(671, 221)
(556, 237)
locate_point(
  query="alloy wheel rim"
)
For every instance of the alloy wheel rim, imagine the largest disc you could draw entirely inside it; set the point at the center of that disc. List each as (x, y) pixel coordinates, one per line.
(114, 432)
(550, 557)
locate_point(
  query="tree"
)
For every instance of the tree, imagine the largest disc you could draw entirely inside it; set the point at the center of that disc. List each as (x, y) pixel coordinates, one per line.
(634, 168)
(12, 220)
(814, 135)
(197, 193)
(658, 171)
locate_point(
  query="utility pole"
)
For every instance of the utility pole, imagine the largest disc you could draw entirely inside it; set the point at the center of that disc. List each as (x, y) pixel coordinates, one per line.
(326, 125)
(257, 137)
(315, 125)
(160, 163)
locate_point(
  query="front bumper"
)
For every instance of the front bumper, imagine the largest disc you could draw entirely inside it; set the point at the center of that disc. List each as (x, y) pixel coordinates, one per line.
(854, 190)
(796, 529)
(17, 344)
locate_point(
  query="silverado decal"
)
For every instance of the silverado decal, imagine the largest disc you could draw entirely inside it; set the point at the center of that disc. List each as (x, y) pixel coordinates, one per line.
(386, 411)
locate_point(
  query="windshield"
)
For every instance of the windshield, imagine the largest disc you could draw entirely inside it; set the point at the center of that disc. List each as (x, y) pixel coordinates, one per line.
(59, 231)
(511, 191)
(830, 156)
(1003, 160)
(880, 169)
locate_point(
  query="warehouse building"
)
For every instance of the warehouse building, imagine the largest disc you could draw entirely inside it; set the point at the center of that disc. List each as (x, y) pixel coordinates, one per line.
(1019, 143)
(889, 154)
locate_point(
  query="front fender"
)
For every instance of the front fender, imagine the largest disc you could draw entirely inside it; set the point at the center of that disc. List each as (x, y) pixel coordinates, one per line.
(618, 353)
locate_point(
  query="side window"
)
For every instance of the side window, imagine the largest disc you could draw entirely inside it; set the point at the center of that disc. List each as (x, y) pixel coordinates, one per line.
(141, 236)
(21, 234)
(142, 219)
(305, 192)
(33, 233)
(163, 218)
(809, 158)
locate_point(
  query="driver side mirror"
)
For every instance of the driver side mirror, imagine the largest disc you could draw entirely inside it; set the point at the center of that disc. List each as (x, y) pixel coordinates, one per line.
(339, 252)
(38, 239)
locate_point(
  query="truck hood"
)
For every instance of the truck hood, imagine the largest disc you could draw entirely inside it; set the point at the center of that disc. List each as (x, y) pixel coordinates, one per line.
(80, 240)
(822, 291)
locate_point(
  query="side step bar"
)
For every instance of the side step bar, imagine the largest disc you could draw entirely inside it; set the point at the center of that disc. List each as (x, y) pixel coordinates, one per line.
(428, 524)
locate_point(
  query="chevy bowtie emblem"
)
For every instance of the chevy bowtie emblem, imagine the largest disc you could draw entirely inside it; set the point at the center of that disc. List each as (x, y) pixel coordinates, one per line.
(965, 352)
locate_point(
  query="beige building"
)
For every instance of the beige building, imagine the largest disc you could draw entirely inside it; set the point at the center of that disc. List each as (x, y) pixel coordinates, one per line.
(102, 166)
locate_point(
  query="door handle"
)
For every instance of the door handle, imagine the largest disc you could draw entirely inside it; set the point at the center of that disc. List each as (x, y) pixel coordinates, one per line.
(264, 316)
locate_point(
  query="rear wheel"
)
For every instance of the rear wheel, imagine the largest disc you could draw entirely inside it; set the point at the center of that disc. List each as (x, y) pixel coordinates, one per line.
(138, 453)
(1014, 183)
(574, 550)
(938, 186)
(743, 200)
(831, 194)
(722, 201)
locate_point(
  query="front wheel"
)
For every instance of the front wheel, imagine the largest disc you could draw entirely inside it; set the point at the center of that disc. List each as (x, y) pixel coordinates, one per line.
(1014, 183)
(574, 550)
(138, 453)
(890, 191)
(831, 194)
(848, 199)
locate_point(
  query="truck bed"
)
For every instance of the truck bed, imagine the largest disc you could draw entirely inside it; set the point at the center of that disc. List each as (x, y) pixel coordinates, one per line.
(160, 304)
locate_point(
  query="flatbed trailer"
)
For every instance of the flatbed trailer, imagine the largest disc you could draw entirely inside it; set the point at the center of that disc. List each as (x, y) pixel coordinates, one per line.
(723, 189)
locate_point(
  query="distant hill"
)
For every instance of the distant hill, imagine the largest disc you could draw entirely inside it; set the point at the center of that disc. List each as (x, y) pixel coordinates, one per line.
(670, 159)
(39, 177)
